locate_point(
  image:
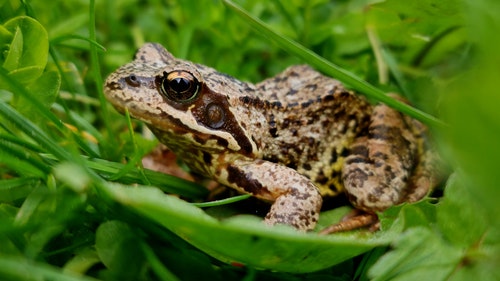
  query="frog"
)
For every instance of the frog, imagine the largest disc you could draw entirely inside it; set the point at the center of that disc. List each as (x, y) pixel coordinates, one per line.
(291, 140)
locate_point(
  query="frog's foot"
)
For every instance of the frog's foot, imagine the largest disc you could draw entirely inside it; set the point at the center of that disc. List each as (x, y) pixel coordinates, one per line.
(353, 220)
(295, 208)
(297, 201)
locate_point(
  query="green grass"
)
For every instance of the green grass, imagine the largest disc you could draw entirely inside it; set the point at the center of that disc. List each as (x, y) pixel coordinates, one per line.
(75, 203)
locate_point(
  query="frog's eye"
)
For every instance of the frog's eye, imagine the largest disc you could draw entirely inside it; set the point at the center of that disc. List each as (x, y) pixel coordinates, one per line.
(179, 86)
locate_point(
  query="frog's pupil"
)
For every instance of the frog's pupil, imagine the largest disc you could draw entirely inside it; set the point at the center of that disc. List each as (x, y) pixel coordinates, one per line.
(180, 84)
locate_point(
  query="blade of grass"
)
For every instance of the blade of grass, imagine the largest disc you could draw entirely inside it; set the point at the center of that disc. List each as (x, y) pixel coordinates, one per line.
(419, 57)
(34, 132)
(23, 269)
(94, 62)
(132, 164)
(59, 40)
(166, 183)
(156, 265)
(21, 142)
(16, 188)
(223, 201)
(20, 90)
(136, 159)
(332, 69)
(24, 157)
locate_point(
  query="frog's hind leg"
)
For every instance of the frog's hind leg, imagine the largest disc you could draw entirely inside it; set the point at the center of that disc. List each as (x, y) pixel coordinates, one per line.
(425, 177)
(376, 172)
(389, 165)
(430, 169)
(377, 169)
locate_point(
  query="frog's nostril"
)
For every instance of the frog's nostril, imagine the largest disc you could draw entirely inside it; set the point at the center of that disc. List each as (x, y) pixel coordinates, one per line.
(133, 81)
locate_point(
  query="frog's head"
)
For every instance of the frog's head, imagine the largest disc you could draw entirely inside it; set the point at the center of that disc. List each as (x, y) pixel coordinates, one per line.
(185, 104)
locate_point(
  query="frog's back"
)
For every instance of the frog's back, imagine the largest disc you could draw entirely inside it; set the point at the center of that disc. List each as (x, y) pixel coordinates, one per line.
(310, 120)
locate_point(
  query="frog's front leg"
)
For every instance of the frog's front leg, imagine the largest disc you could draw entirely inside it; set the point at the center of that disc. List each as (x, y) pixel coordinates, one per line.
(297, 201)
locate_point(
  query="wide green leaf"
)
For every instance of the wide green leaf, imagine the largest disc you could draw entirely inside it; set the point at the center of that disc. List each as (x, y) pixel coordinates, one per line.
(45, 88)
(418, 255)
(117, 247)
(461, 218)
(244, 239)
(25, 33)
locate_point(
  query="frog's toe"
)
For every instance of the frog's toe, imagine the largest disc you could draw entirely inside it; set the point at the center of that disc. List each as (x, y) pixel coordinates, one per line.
(354, 220)
(297, 209)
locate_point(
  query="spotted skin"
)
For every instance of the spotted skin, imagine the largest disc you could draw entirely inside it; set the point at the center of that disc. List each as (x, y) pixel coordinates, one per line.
(290, 140)
(297, 202)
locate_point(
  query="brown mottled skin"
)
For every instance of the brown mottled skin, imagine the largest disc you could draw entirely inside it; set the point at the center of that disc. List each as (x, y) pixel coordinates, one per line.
(290, 139)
